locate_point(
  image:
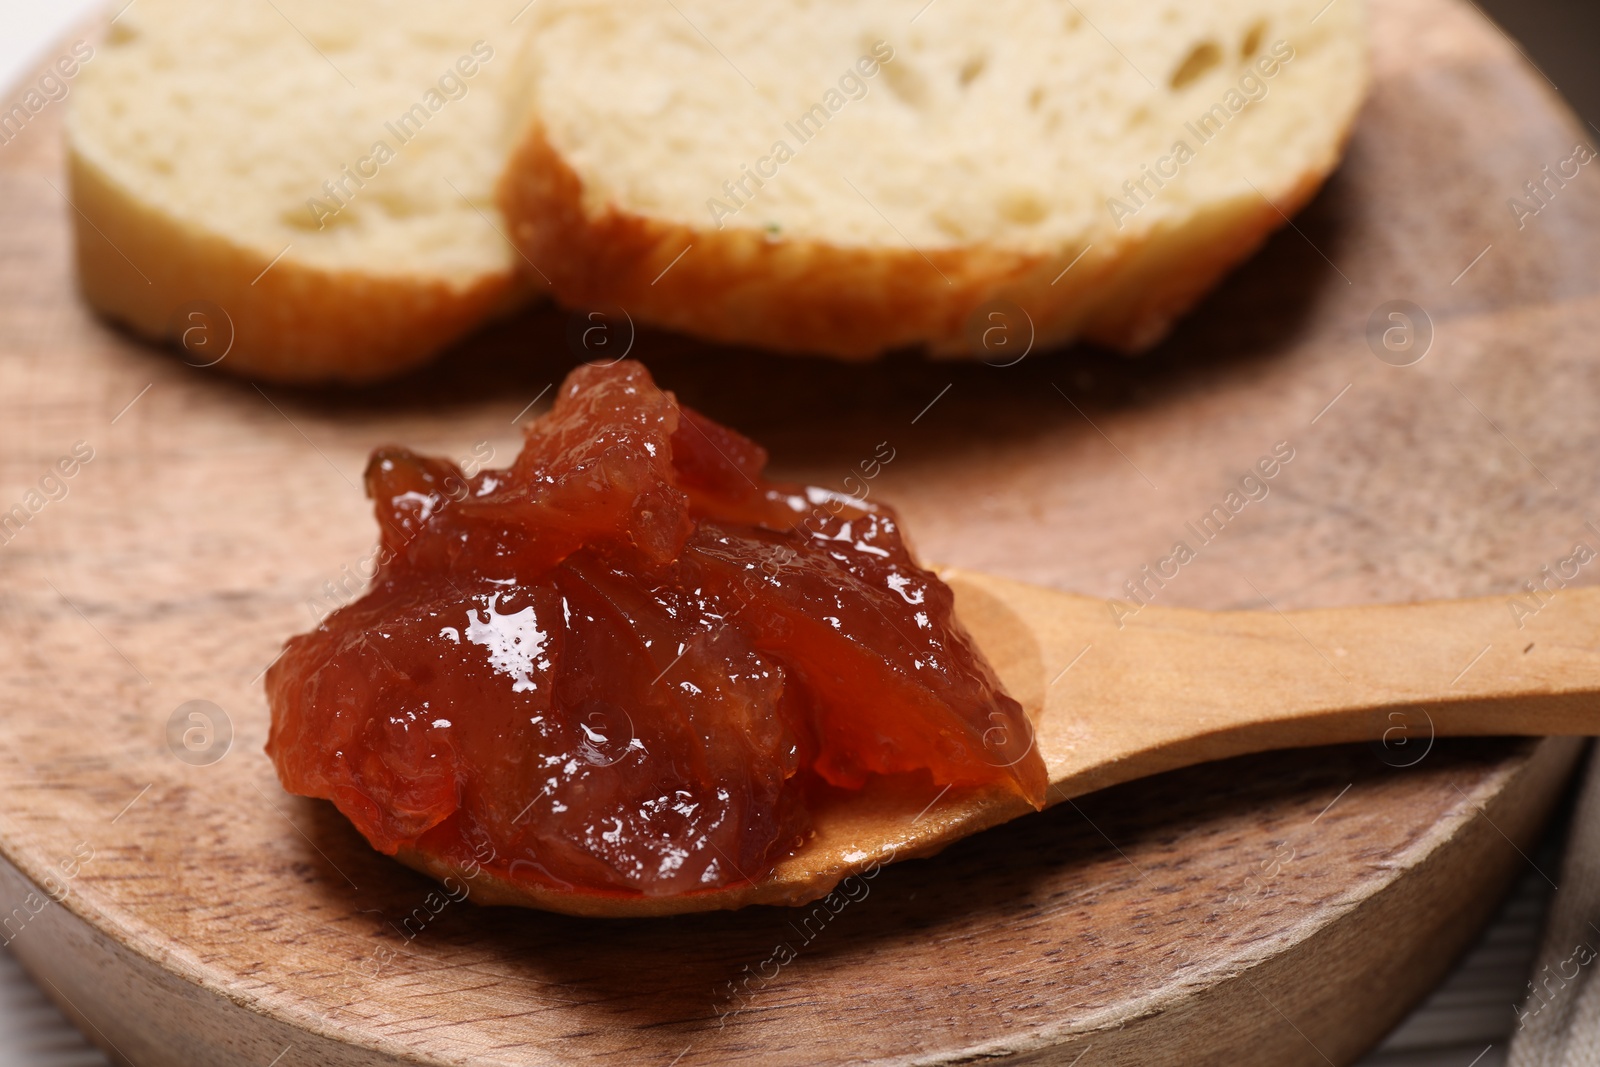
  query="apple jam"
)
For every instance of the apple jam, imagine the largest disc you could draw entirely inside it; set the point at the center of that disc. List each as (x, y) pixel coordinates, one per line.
(630, 663)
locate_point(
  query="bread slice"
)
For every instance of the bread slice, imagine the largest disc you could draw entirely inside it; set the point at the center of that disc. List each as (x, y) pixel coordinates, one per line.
(230, 187)
(847, 177)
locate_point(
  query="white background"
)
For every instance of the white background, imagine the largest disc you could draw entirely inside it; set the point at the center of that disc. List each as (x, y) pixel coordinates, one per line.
(28, 28)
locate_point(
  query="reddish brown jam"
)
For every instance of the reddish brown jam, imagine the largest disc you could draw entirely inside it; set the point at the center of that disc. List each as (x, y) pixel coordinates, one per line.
(630, 663)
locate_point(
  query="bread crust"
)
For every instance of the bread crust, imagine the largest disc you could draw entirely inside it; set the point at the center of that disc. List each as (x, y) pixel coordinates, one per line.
(740, 286)
(736, 285)
(140, 266)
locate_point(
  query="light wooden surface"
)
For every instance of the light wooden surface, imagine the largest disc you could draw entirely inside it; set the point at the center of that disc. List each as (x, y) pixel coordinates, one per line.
(1464, 1018)
(220, 921)
(1175, 686)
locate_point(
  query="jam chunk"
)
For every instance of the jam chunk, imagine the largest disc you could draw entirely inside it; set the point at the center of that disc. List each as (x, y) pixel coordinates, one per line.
(629, 663)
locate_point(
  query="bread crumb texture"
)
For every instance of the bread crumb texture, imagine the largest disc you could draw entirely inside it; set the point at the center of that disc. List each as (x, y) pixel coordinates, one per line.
(851, 177)
(319, 178)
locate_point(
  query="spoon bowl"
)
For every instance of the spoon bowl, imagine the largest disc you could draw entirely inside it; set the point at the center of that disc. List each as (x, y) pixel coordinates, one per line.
(1115, 696)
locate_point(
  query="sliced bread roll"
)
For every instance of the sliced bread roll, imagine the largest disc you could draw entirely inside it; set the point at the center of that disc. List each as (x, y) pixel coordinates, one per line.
(847, 177)
(307, 187)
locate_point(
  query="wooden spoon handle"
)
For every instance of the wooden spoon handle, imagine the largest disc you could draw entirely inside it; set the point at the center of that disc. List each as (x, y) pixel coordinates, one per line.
(1118, 696)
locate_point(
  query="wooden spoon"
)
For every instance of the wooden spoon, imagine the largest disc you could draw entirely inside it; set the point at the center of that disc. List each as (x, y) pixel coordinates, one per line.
(1169, 687)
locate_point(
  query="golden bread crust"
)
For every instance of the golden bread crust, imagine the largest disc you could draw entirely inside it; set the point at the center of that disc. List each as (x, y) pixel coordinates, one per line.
(742, 286)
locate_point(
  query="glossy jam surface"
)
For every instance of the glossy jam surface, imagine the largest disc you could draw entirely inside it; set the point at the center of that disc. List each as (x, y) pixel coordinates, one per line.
(629, 663)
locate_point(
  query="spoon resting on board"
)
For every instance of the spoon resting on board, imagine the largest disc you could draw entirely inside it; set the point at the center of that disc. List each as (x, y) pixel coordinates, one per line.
(1170, 687)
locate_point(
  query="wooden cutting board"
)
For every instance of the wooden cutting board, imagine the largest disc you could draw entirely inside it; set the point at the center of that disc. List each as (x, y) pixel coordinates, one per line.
(1279, 909)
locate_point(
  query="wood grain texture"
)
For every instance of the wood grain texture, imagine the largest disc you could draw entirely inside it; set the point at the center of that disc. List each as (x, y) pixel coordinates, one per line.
(220, 921)
(1178, 686)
